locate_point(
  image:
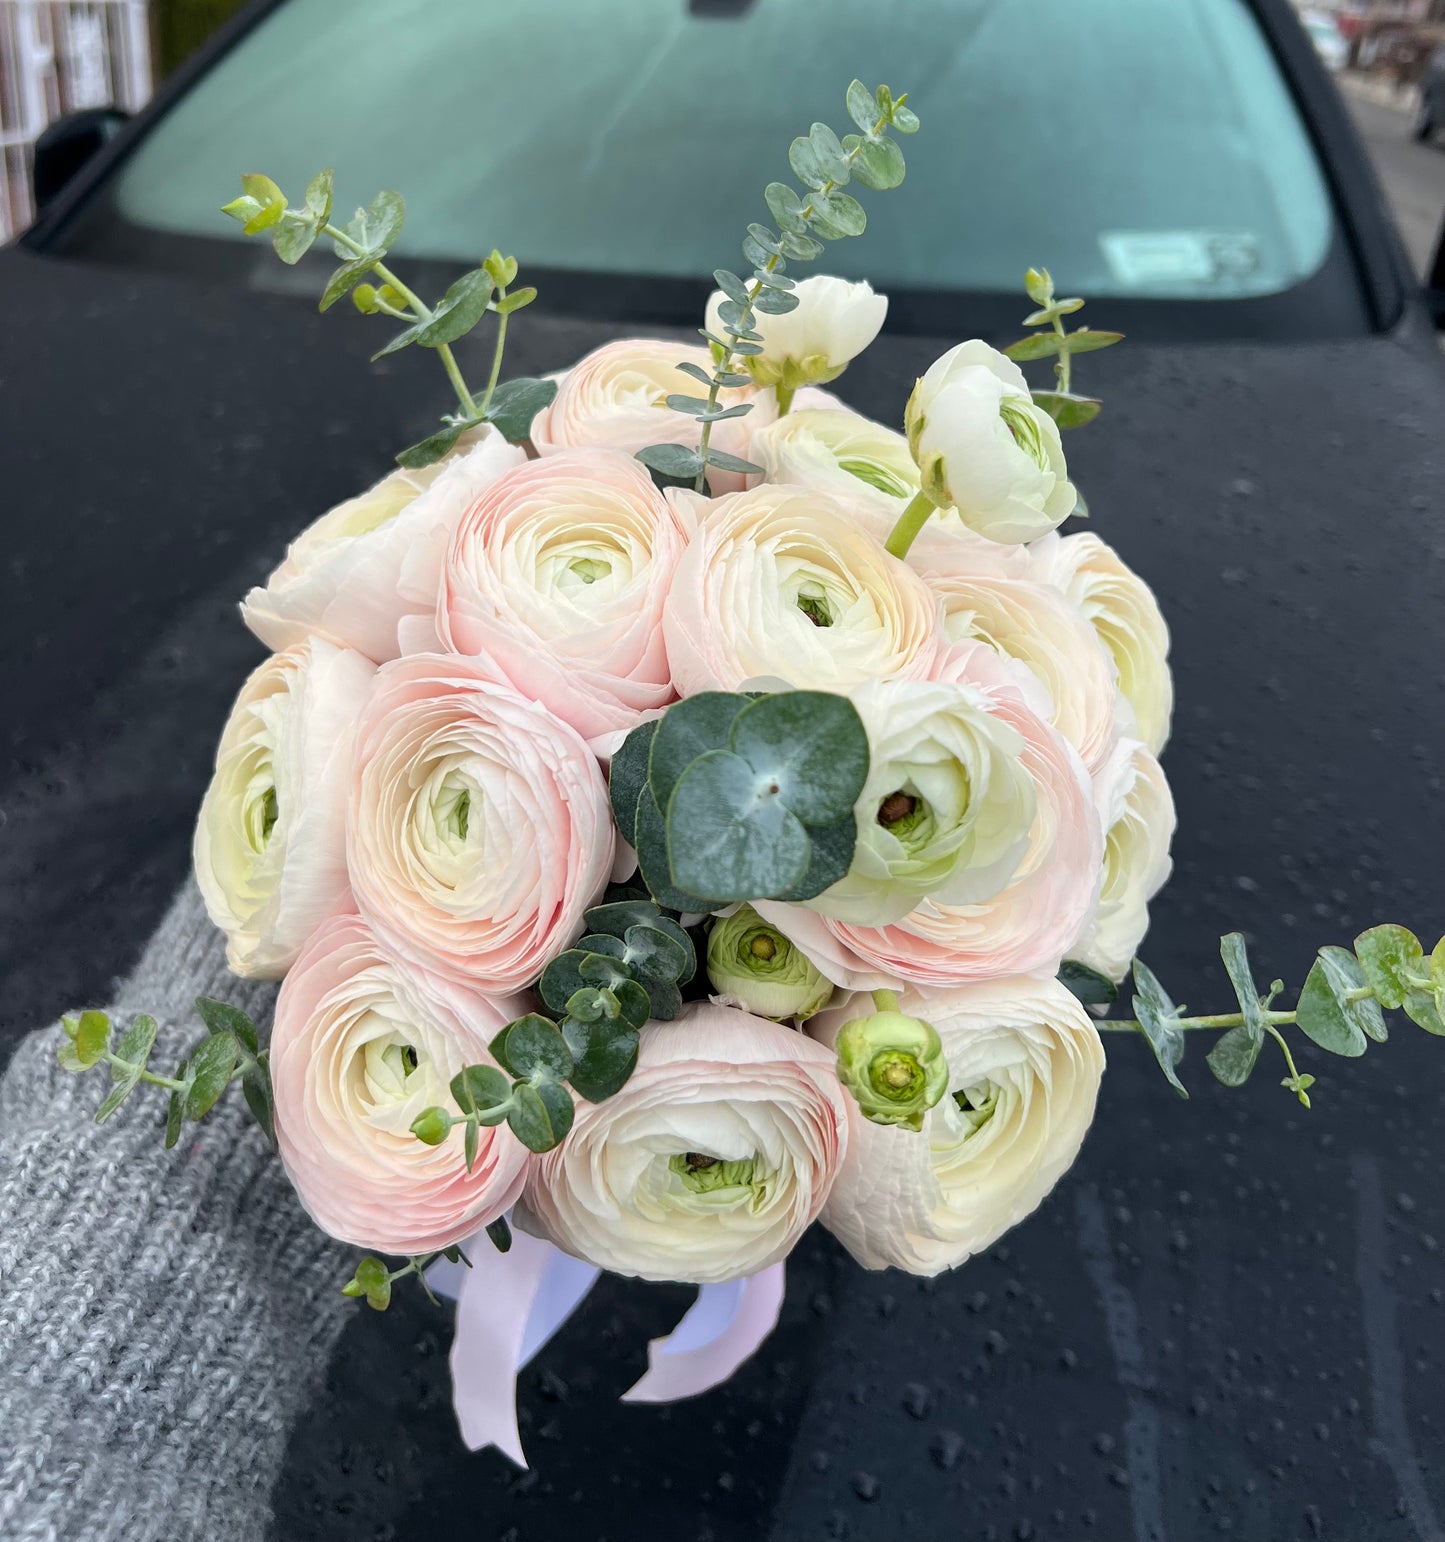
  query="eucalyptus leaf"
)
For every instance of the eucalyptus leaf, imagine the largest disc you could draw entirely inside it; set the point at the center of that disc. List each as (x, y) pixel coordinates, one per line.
(515, 403)
(1233, 1056)
(458, 311)
(696, 372)
(1386, 953)
(830, 855)
(604, 1055)
(829, 154)
(481, 1089)
(431, 449)
(729, 835)
(377, 226)
(802, 248)
(730, 284)
(211, 1066)
(500, 1235)
(140, 1038)
(689, 728)
(847, 214)
(672, 460)
(1039, 345)
(725, 462)
(561, 980)
(877, 163)
(508, 305)
(786, 208)
(692, 406)
(1068, 410)
(1087, 986)
(803, 158)
(125, 1084)
(653, 956)
(176, 1107)
(1086, 340)
(1235, 1052)
(776, 302)
(344, 279)
(1158, 1021)
(626, 777)
(652, 861)
(319, 195)
(221, 1017)
(812, 744)
(92, 1038)
(541, 1116)
(293, 237)
(256, 1089)
(862, 108)
(533, 1047)
(1324, 1013)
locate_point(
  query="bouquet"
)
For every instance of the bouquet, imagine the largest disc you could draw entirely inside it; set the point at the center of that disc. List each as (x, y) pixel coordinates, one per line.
(680, 809)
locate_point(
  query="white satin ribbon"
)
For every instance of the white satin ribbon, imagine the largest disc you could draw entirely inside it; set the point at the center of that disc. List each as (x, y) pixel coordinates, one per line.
(510, 1304)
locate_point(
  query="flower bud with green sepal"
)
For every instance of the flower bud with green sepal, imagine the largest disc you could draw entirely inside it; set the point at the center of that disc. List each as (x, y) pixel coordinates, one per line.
(892, 1064)
(753, 965)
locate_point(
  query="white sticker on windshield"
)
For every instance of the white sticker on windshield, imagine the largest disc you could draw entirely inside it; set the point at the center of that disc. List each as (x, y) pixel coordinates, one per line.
(1175, 259)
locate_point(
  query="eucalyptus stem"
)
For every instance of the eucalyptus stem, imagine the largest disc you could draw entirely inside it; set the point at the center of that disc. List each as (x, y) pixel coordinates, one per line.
(169, 1083)
(1065, 368)
(497, 353)
(422, 311)
(910, 524)
(724, 365)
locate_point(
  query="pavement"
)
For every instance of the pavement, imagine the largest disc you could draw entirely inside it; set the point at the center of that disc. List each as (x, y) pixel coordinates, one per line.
(1413, 174)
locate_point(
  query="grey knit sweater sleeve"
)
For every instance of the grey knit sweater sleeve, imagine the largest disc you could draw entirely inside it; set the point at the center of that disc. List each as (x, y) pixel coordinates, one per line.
(163, 1315)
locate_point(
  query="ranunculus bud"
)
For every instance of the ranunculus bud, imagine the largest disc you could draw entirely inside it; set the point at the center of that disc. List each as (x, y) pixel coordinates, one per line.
(985, 449)
(752, 965)
(833, 323)
(270, 845)
(893, 1065)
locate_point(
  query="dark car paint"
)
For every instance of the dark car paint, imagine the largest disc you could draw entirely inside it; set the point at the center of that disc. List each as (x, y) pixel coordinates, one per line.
(1230, 1316)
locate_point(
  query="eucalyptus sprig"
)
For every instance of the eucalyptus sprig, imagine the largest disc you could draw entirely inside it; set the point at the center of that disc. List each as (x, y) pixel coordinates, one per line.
(824, 165)
(230, 1052)
(1059, 344)
(1341, 1007)
(363, 244)
(732, 796)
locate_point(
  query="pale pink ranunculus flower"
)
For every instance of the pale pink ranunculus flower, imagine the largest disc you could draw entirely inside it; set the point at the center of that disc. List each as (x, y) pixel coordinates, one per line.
(1028, 926)
(616, 397)
(270, 843)
(784, 583)
(355, 573)
(711, 1161)
(1042, 628)
(1024, 1067)
(558, 574)
(478, 827)
(363, 1044)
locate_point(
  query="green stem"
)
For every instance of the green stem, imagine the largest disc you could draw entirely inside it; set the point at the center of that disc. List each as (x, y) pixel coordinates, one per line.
(910, 522)
(1279, 1039)
(146, 1076)
(1226, 1019)
(885, 1001)
(1065, 367)
(420, 308)
(496, 355)
(784, 393)
(756, 288)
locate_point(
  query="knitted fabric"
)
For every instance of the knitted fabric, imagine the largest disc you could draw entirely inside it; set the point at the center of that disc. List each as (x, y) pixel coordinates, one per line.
(163, 1315)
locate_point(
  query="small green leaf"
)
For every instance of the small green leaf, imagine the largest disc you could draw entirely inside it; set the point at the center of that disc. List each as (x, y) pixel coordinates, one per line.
(472, 1140)
(671, 460)
(604, 1055)
(372, 1280)
(636, 1003)
(787, 208)
(730, 836)
(92, 1038)
(730, 284)
(515, 403)
(862, 108)
(318, 196)
(653, 955)
(540, 1116)
(500, 1235)
(376, 227)
(1039, 345)
(725, 462)
(502, 270)
(482, 1090)
(431, 449)
(802, 248)
(219, 1017)
(803, 158)
(176, 1108)
(561, 980)
(1158, 1019)
(344, 279)
(829, 154)
(1086, 340)
(626, 778)
(877, 163)
(140, 1039)
(125, 1084)
(458, 311)
(812, 744)
(515, 301)
(1386, 953)
(692, 406)
(1087, 986)
(845, 214)
(1067, 410)
(1326, 1015)
(1039, 286)
(211, 1066)
(294, 236)
(905, 120)
(688, 729)
(256, 1089)
(1233, 1056)
(534, 1048)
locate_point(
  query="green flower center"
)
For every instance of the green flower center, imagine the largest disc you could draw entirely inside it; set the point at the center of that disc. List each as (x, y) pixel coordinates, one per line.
(590, 569)
(876, 476)
(1025, 430)
(706, 1175)
(814, 604)
(896, 1076)
(977, 1104)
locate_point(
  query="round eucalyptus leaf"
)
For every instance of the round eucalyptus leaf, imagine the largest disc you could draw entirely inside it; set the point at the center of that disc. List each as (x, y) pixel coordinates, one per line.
(1325, 1015)
(626, 778)
(535, 1047)
(562, 979)
(813, 745)
(829, 859)
(540, 1116)
(687, 729)
(652, 859)
(604, 1056)
(729, 834)
(654, 955)
(481, 1088)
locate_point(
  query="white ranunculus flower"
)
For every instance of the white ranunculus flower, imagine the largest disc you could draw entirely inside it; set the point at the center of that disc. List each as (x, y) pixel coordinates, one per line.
(270, 844)
(711, 1161)
(782, 583)
(1137, 812)
(1024, 1067)
(1041, 627)
(353, 575)
(948, 807)
(837, 451)
(1126, 616)
(833, 323)
(985, 449)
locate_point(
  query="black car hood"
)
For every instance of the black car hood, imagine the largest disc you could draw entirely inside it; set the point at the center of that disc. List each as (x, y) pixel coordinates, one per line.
(1230, 1314)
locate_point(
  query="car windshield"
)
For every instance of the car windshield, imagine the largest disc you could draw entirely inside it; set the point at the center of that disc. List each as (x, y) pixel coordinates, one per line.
(1143, 149)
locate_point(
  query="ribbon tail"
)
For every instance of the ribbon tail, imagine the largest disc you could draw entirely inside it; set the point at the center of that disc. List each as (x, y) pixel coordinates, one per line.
(723, 1327)
(508, 1306)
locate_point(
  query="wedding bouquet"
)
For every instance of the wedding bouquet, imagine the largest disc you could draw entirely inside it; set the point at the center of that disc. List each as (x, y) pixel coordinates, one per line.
(681, 809)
